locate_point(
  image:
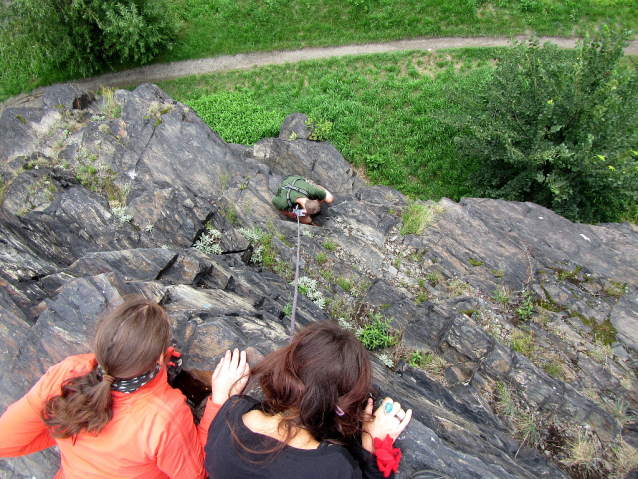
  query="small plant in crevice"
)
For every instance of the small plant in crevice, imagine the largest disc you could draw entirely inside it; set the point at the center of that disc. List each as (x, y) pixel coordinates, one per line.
(309, 287)
(526, 307)
(421, 297)
(614, 289)
(386, 360)
(418, 216)
(434, 277)
(601, 353)
(458, 287)
(345, 323)
(417, 359)
(498, 273)
(526, 424)
(263, 252)
(523, 342)
(230, 214)
(327, 274)
(109, 106)
(321, 257)
(319, 130)
(120, 213)
(584, 454)
(624, 459)
(428, 361)
(254, 236)
(475, 262)
(505, 403)
(287, 309)
(619, 409)
(345, 284)
(330, 245)
(501, 295)
(208, 242)
(377, 333)
(553, 368)
(224, 178)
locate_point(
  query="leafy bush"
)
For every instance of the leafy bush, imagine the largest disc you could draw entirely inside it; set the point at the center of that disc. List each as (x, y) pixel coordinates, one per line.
(83, 35)
(559, 129)
(237, 118)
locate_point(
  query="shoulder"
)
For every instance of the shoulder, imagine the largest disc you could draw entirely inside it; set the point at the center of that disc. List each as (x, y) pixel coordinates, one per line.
(315, 192)
(238, 405)
(231, 412)
(51, 382)
(73, 366)
(340, 456)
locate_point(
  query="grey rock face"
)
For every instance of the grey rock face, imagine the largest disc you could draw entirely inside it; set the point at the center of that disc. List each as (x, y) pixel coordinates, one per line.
(490, 299)
(295, 127)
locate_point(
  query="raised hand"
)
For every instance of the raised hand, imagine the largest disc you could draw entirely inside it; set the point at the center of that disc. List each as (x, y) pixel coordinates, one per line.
(230, 376)
(389, 419)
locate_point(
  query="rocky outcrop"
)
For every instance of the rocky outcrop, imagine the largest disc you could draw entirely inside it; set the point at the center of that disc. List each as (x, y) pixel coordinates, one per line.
(492, 302)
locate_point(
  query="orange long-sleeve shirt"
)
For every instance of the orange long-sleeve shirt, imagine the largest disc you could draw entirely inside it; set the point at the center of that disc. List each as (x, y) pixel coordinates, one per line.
(151, 435)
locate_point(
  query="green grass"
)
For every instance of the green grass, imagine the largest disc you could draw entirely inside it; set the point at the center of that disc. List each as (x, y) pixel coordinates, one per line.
(388, 109)
(229, 27)
(239, 26)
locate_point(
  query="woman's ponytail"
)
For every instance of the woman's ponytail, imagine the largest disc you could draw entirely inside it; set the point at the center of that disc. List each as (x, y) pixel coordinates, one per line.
(129, 341)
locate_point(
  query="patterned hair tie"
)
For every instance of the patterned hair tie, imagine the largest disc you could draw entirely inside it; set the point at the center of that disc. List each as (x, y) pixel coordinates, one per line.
(132, 384)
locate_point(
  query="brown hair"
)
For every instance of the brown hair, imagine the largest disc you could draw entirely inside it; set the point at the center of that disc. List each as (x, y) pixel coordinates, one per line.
(322, 369)
(128, 342)
(312, 207)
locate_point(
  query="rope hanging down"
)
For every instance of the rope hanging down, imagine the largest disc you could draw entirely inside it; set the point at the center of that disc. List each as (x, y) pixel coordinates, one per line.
(298, 212)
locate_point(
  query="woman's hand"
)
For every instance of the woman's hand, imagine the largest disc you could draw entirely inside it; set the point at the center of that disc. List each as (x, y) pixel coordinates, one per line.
(389, 418)
(230, 376)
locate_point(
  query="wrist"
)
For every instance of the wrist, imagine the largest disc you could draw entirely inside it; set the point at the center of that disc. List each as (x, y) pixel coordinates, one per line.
(367, 442)
(219, 400)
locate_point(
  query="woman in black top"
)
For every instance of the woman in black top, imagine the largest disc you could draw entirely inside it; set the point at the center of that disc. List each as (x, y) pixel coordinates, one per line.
(316, 420)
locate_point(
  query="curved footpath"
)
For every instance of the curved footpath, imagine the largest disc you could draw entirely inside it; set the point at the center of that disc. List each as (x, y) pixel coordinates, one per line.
(167, 71)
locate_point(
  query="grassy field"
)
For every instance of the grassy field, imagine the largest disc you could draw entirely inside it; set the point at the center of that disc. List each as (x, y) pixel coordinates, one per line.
(215, 27)
(233, 26)
(389, 110)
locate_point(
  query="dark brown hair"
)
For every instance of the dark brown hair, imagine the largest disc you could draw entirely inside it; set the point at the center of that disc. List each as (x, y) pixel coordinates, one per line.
(312, 207)
(128, 342)
(322, 369)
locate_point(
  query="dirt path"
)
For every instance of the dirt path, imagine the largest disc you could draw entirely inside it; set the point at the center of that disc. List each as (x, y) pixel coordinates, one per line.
(157, 72)
(166, 71)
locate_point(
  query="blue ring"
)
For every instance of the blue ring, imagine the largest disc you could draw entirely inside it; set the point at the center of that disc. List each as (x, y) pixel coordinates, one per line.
(388, 407)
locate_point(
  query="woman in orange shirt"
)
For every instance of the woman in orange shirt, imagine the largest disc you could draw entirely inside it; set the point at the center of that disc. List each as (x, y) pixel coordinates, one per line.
(113, 413)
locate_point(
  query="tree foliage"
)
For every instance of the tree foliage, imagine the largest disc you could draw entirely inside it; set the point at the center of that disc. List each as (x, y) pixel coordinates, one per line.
(84, 35)
(559, 129)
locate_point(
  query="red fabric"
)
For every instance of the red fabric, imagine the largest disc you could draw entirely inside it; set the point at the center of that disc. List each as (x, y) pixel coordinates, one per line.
(388, 457)
(151, 435)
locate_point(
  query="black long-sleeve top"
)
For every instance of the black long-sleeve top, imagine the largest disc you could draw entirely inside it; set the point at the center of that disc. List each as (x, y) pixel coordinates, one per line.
(226, 459)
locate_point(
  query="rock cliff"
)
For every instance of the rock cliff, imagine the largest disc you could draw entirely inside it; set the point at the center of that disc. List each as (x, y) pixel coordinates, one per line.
(512, 331)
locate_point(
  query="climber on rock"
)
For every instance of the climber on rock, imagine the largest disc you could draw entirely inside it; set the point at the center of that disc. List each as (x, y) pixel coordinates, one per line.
(296, 193)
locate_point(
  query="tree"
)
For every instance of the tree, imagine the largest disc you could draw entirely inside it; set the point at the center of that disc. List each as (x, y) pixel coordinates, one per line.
(84, 35)
(558, 128)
